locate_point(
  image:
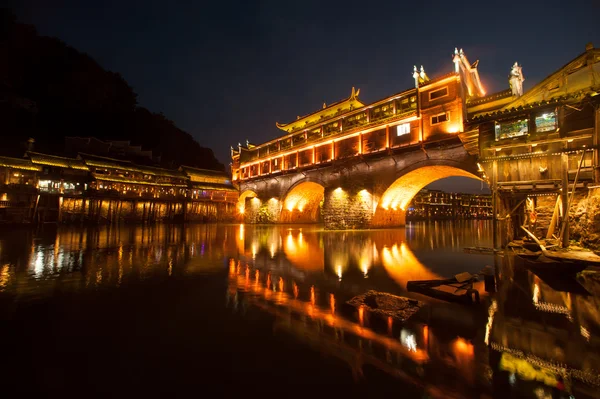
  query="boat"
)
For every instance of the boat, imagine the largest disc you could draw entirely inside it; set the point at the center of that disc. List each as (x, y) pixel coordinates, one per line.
(458, 289)
(577, 258)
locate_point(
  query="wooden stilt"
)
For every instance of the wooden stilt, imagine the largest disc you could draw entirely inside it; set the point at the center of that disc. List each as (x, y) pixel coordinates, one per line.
(554, 219)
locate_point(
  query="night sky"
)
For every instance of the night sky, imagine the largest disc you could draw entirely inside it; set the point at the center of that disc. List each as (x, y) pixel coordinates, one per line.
(226, 71)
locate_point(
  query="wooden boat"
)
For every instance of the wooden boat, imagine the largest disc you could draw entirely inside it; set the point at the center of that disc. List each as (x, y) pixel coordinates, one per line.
(481, 250)
(569, 256)
(525, 253)
(458, 289)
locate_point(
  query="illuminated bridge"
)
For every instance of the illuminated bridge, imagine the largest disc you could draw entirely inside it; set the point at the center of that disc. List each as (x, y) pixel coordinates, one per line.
(355, 165)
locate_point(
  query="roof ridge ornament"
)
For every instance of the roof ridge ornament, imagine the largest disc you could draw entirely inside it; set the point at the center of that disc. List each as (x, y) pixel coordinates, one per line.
(416, 76)
(456, 60)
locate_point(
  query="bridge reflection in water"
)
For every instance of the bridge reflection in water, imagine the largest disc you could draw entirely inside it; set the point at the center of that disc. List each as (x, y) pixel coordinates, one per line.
(409, 351)
(366, 259)
(534, 329)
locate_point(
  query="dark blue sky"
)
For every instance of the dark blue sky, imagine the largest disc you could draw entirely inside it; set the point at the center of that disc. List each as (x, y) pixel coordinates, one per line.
(226, 71)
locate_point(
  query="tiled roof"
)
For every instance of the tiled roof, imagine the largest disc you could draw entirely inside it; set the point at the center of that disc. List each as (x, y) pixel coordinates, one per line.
(18, 163)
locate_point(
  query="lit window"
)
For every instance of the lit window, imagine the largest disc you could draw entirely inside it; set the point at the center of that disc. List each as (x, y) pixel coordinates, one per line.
(545, 122)
(506, 130)
(434, 95)
(439, 118)
(403, 129)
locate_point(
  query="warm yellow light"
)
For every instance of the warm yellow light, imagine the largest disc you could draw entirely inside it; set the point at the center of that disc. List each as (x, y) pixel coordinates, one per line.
(401, 192)
(453, 129)
(462, 346)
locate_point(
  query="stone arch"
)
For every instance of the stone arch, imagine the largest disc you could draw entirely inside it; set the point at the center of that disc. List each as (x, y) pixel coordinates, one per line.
(241, 205)
(302, 201)
(391, 208)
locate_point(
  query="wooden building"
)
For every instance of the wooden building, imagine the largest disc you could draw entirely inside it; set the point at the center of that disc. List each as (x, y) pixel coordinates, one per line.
(538, 147)
(89, 188)
(18, 191)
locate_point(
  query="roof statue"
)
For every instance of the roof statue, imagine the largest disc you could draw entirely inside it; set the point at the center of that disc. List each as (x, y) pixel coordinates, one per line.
(515, 79)
(420, 77)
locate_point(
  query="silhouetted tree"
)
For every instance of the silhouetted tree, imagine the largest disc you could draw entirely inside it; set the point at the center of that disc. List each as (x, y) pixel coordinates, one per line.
(49, 91)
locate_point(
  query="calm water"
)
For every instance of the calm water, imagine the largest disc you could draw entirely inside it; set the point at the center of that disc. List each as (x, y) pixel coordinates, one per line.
(255, 310)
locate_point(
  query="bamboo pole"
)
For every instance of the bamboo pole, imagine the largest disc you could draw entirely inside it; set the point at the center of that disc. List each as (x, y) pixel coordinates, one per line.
(564, 233)
(554, 219)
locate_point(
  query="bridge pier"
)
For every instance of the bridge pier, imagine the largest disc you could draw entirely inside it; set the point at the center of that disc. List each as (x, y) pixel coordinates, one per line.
(347, 208)
(388, 218)
(262, 210)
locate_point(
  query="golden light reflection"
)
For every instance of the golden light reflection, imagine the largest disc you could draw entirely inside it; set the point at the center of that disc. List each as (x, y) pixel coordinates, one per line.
(312, 295)
(462, 346)
(361, 315)
(332, 303)
(295, 290)
(488, 327)
(4, 277)
(402, 265)
(314, 312)
(280, 284)
(304, 252)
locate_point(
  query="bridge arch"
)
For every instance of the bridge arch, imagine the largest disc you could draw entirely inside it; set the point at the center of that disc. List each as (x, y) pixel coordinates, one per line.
(391, 209)
(241, 205)
(302, 202)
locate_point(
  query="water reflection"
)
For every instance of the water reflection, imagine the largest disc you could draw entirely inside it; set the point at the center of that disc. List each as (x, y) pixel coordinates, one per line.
(536, 334)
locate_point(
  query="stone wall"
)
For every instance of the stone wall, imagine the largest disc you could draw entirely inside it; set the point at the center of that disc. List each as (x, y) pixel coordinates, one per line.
(584, 219)
(262, 211)
(347, 209)
(544, 209)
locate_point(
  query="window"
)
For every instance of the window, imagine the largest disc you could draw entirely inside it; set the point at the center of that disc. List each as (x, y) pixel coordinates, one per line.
(434, 95)
(506, 130)
(545, 122)
(439, 118)
(403, 129)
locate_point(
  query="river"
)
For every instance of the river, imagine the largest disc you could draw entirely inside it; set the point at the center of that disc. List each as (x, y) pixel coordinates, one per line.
(246, 310)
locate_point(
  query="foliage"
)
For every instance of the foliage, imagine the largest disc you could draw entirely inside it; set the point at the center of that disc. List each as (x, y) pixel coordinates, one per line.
(49, 91)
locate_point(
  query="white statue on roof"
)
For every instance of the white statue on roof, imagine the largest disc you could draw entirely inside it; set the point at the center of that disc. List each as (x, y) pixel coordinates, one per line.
(516, 80)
